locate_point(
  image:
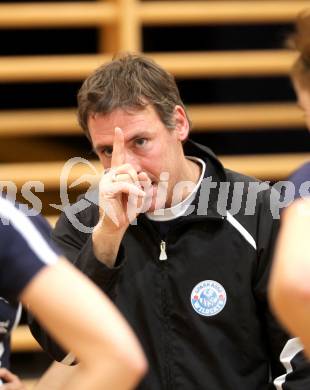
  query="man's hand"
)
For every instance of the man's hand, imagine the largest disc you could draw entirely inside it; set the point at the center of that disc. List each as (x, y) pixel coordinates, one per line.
(120, 200)
(120, 191)
(11, 381)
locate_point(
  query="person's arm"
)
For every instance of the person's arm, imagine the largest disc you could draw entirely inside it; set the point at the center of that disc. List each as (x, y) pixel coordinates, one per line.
(117, 209)
(84, 321)
(290, 369)
(289, 288)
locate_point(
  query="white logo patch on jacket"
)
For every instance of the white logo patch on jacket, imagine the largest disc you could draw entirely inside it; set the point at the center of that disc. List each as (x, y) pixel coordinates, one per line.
(208, 298)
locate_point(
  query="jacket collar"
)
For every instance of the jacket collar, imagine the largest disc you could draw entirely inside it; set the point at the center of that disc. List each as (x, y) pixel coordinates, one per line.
(206, 200)
(215, 175)
(214, 166)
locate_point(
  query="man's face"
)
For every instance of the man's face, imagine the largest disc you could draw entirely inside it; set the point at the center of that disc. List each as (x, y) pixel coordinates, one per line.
(148, 146)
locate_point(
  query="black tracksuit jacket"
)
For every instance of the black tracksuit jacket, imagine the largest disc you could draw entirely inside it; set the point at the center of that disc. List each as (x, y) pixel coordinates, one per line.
(236, 348)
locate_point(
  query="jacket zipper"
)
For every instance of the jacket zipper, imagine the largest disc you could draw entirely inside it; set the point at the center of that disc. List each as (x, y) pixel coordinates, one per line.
(163, 254)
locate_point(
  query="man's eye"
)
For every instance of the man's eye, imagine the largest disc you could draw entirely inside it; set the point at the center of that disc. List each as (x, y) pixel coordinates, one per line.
(140, 142)
(107, 151)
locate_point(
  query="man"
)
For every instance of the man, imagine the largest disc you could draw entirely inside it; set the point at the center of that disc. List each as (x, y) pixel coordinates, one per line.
(189, 276)
(58, 295)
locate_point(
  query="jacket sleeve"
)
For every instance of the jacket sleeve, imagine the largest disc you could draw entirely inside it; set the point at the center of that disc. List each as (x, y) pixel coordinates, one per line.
(76, 245)
(290, 369)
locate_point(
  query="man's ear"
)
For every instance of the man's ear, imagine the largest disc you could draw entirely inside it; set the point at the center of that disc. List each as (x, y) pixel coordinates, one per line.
(181, 123)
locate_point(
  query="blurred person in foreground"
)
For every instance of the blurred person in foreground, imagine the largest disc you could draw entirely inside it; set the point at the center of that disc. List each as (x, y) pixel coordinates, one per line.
(32, 272)
(290, 281)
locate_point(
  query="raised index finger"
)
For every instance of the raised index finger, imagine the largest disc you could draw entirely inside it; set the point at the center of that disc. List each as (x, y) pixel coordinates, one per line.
(118, 154)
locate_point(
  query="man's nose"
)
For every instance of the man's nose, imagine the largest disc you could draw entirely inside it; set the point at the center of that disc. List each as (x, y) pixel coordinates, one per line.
(132, 159)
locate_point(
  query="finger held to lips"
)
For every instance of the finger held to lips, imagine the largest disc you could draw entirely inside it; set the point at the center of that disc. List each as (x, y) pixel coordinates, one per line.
(126, 188)
(122, 177)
